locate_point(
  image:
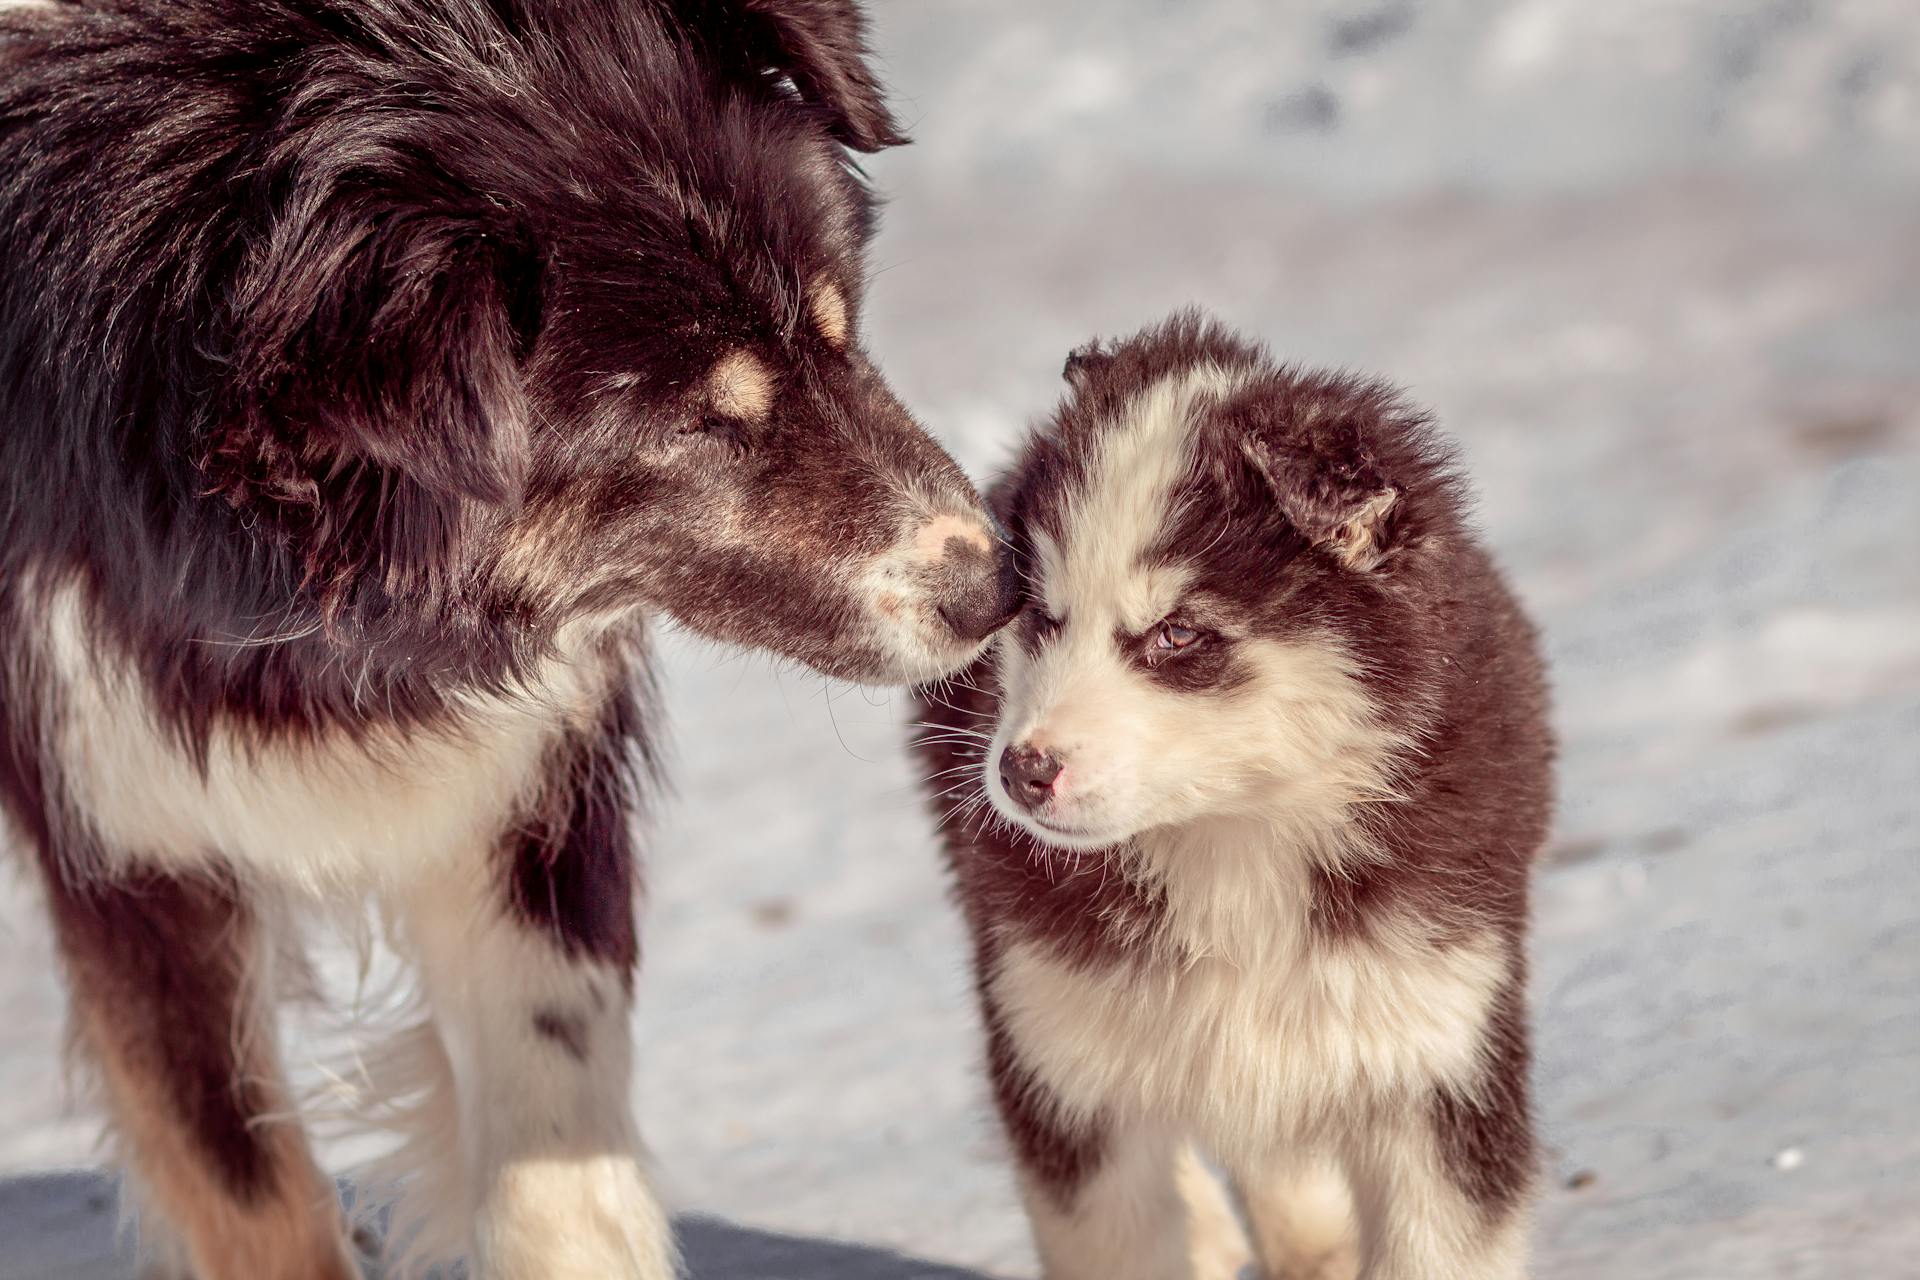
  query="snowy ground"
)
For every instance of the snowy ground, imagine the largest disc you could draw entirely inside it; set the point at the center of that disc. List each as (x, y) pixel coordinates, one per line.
(1657, 264)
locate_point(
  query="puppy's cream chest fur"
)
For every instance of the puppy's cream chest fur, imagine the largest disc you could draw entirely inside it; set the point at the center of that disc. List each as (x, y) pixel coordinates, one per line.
(317, 814)
(1249, 1055)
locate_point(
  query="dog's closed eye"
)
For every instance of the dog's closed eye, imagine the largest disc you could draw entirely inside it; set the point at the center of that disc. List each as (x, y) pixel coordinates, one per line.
(720, 427)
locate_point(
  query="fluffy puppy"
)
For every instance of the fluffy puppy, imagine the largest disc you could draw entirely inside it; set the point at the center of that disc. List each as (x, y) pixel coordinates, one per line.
(1240, 811)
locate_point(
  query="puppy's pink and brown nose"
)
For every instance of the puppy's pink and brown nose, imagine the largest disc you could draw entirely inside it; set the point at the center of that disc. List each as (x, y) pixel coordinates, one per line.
(1028, 775)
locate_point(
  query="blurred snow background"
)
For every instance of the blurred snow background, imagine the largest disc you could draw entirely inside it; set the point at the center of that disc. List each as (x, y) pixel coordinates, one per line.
(1656, 263)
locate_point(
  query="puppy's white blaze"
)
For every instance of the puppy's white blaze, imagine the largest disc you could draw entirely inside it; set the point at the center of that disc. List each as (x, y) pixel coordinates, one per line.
(1078, 697)
(317, 815)
(1252, 1059)
(1124, 503)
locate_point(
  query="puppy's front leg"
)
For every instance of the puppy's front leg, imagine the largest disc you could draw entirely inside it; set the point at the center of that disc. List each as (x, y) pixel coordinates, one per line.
(1106, 1200)
(1442, 1193)
(1121, 1219)
(530, 981)
(1443, 1185)
(1301, 1214)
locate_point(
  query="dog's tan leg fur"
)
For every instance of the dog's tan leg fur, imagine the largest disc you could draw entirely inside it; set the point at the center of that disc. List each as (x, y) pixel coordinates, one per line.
(182, 1078)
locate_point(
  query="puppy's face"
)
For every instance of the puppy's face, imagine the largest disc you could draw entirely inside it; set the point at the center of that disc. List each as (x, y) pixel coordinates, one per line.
(1190, 643)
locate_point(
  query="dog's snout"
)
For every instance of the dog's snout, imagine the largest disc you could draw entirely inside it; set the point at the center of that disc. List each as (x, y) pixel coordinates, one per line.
(976, 587)
(1028, 775)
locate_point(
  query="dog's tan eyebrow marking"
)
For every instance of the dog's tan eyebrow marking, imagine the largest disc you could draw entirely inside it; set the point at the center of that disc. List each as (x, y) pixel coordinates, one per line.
(829, 306)
(740, 387)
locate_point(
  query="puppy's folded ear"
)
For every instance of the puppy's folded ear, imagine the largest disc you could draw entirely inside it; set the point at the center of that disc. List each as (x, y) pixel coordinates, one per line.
(1311, 445)
(819, 45)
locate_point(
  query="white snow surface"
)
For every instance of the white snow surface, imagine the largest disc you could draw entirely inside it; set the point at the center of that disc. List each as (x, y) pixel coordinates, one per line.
(1656, 264)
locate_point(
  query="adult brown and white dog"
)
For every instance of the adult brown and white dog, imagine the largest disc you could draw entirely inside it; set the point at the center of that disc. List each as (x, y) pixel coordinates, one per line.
(370, 371)
(1240, 814)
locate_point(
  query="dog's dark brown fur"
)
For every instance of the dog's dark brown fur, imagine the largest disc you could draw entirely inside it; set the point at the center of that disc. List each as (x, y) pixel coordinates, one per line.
(1276, 530)
(369, 369)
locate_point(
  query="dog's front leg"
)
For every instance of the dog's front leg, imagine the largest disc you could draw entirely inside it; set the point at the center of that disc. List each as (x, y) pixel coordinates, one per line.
(530, 980)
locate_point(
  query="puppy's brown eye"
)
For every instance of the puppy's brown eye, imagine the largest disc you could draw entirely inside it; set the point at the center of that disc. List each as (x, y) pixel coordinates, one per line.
(1170, 636)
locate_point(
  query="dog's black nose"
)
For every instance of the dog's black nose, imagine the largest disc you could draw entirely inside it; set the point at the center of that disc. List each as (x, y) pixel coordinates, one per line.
(977, 589)
(1028, 775)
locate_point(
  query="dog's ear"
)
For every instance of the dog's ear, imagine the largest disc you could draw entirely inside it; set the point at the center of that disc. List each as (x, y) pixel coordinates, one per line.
(818, 45)
(392, 338)
(1310, 447)
(374, 403)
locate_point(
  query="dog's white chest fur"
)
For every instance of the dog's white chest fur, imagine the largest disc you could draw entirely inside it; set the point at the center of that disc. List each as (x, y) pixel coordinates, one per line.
(320, 814)
(1250, 1055)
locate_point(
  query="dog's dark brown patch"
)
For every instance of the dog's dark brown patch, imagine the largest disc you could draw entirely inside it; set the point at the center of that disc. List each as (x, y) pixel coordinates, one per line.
(571, 868)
